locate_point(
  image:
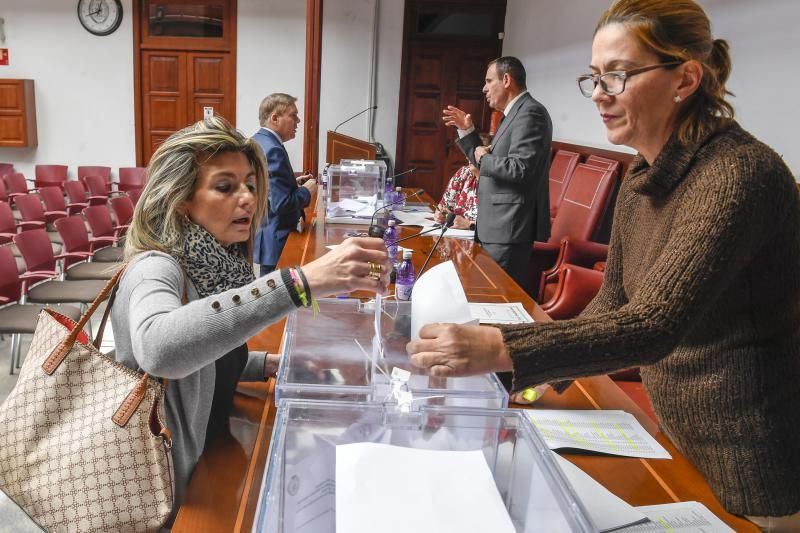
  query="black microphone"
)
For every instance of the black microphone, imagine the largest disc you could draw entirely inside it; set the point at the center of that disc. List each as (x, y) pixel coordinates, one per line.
(354, 116)
(451, 217)
(410, 170)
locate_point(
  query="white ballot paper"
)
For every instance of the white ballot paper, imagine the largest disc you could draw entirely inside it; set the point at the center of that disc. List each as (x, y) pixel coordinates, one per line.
(451, 232)
(439, 297)
(607, 511)
(611, 432)
(392, 489)
(511, 313)
(681, 517)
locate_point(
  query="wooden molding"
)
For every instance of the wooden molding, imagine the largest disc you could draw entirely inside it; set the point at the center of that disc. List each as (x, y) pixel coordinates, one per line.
(312, 89)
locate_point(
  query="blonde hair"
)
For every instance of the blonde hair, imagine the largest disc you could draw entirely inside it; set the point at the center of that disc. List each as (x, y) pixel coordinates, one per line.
(173, 174)
(275, 103)
(679, 30)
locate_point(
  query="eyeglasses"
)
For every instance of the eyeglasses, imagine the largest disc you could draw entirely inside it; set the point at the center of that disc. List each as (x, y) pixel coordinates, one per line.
(613, 82)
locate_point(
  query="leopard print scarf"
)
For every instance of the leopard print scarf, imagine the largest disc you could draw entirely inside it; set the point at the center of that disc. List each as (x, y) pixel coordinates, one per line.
(213, 268)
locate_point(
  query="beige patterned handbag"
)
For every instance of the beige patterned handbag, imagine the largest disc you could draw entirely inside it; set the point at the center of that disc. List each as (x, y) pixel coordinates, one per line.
(83, 444)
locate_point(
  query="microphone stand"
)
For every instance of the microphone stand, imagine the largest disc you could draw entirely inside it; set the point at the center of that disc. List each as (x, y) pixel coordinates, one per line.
(449, 222)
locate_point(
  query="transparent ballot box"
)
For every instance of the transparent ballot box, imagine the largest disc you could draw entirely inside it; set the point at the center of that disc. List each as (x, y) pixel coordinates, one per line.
(336, 355)
(354, 192)
(381, 165)
(298, 492)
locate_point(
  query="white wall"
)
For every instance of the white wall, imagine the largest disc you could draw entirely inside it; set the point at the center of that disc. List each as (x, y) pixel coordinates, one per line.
(346, 45)
(553, 40)
(83, 85)
(271, 52)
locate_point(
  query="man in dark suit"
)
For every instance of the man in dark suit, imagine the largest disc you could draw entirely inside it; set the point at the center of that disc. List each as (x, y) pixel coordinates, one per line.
(513, 189)
(287, 195)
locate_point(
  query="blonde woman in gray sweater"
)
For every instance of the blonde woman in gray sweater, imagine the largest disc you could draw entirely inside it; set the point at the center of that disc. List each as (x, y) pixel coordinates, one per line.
(188, 300)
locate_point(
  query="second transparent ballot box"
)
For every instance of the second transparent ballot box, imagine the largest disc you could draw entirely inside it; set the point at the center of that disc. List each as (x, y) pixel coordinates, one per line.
(354, 192)
(335, 355)
(298, 492)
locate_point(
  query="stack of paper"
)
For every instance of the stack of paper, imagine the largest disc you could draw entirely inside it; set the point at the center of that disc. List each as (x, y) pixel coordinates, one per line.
(611, 432)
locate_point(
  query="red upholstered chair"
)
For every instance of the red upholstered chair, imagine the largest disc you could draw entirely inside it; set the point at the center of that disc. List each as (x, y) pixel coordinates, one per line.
(76, 195)
(579, 216)
(123, 210)
(8, 226)
(54, 205)
(17, 319)
(578, 252)
(3, 191)
(561, 168)
(99, 219)
(603, 162)
(39, 257)
(103, 172)
(76, 239)
(31, 208)
(131, 178)
(6, 168)
(50, 175)
(574, 290)
(16, 185)
(98, 192)
(134, 195)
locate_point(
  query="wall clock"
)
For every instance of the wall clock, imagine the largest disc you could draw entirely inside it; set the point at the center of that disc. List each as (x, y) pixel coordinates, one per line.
(100, 17)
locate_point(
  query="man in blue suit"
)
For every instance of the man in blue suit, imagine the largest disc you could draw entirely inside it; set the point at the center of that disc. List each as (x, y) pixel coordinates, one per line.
(287, 195)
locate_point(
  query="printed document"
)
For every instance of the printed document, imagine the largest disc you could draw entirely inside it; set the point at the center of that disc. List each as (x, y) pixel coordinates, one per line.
(511, 313)
(681, 517)
(611, 432)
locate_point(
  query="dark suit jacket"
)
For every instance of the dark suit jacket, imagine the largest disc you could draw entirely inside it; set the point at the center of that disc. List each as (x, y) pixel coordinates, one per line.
(513, 190)
(285, 204)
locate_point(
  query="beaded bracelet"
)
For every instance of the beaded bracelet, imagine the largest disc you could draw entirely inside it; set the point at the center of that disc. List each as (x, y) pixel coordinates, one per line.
(299, 288)
(314, 304)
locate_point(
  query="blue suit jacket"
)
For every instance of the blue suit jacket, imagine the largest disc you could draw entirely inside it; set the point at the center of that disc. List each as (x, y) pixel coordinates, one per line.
(285, 204)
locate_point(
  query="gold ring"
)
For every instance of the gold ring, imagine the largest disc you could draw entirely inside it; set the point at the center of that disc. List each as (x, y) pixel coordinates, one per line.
(375, 270)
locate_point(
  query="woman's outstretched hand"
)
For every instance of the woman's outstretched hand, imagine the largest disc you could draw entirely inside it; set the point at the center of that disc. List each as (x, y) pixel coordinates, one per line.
(457, 350)
(347, 268)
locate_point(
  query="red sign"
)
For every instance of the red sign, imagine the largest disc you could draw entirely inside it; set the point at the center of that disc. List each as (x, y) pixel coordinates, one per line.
(3, 56)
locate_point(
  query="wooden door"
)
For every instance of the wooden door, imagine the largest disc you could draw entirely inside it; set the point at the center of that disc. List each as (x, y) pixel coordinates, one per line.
(441, 69)
(185, 60)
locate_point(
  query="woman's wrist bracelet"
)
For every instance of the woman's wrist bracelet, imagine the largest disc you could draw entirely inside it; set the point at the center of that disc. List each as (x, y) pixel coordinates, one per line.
(314, 304)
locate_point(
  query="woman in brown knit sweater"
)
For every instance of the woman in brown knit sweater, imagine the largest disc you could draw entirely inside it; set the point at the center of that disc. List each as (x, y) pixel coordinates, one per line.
(702, 286)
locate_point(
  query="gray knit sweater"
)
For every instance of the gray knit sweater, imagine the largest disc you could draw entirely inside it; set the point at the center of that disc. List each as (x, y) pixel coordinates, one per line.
(702, 289)
(155, 333)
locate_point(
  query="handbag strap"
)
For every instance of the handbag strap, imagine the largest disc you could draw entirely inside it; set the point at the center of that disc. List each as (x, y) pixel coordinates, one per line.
(61, 350)
(98, 339)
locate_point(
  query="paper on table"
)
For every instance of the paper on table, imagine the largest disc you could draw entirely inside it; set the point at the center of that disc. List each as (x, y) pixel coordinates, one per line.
(681, 517)
(611, 432)
(438, 297)
(510, 313)
(606, 510)
(403, 490)
(452, 232)
(413, 218)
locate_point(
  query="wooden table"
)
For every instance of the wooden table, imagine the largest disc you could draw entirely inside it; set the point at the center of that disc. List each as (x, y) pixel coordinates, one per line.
(223, 492)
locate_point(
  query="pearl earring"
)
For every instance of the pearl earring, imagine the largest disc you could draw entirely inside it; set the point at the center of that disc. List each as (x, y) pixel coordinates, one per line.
(677, 99)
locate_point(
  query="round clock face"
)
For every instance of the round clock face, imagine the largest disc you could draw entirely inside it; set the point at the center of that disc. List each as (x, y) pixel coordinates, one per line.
(100, 17)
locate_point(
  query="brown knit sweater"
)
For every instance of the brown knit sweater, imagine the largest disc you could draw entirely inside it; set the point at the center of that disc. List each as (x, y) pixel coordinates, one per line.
(702, 288)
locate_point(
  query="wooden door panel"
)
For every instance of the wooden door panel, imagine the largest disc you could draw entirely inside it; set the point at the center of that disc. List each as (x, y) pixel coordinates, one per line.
(440, 76)
(210, 84)
(426, 112)
(164, 100)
